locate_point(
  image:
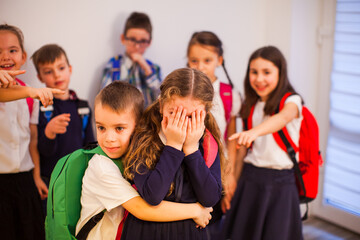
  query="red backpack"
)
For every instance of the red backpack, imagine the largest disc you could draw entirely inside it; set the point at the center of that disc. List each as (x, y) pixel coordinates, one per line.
(307, 169)
(226, 97)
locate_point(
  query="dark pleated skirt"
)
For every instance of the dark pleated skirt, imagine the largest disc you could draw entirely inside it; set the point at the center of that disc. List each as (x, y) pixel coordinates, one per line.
(21, 215)
(136, 229)
(265, 206)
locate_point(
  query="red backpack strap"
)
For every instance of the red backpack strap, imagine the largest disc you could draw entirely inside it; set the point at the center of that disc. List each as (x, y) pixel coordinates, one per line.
(283, 133)
(226, 97)
(30, 101)
(210, 148)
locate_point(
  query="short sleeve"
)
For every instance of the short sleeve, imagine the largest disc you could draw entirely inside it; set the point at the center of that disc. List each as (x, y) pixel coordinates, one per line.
(104, 181)
(297, 100)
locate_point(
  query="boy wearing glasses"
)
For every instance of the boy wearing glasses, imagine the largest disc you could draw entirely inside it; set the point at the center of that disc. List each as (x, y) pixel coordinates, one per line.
(132, 67)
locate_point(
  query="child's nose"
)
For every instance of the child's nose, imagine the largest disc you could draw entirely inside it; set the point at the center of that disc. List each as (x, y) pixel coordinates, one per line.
(110, 136)
(201, 66)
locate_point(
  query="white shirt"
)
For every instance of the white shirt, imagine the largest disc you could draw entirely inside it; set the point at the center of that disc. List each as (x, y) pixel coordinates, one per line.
(218, 110)
(265, 151)
(15, 135)
(103, 187)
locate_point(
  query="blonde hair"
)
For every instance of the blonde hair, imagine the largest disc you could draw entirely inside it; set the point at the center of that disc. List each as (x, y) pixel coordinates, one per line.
(146, 146)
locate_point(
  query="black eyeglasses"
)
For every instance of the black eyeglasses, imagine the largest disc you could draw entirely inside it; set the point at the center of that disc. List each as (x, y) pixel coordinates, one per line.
(142, 42)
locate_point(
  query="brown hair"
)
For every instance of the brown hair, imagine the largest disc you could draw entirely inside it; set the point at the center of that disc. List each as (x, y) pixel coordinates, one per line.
(15, 30)
(120, 96)
(146, 147)
(206, 38)
(138, 20)
(273, 55)
(48, 54)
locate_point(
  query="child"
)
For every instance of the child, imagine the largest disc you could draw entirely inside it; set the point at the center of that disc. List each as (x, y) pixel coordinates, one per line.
(66, 125)
(117, 110)
(132, 67)
(205, 53)
(266, 202)
(20, 206)
(10, 90)
(165, 160)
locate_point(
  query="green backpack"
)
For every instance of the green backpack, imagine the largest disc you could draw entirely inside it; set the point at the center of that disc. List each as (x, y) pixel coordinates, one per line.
(63, 204)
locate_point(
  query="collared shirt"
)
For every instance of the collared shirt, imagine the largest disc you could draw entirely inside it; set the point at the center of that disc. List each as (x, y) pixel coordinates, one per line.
(15, 135)
(122, 68)
(104, 187)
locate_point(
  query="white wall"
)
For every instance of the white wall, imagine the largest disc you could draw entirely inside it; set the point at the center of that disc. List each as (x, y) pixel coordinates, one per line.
(89, 32)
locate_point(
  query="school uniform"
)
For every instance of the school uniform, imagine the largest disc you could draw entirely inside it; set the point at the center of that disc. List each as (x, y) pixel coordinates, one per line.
(20, 205)
(103, 188)
(193, 182)
(75, 137)
(266, 202)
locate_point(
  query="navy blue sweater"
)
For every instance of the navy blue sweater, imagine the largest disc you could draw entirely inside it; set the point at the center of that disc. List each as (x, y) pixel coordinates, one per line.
(51, 150)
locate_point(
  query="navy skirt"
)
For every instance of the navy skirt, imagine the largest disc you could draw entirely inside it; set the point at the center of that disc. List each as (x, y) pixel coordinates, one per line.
(265, 206)
(21, 216)
(136, 229)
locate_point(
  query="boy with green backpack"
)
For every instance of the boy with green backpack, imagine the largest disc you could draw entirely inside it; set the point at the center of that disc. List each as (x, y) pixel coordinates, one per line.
(88, 194)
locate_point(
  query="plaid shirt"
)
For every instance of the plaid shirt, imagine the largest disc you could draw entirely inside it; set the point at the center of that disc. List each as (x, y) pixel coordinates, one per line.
(122, 68)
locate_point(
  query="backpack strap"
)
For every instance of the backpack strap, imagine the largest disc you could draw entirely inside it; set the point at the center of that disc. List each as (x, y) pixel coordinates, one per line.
(84, 113)
(247, 122)
(285, 142)
(226, 97)
(29, 101)
(85, 230)
(115, 70)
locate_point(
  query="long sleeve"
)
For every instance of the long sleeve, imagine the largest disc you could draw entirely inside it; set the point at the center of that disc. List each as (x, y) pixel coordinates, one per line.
(46, 146)
(153, 185)
(206, 181)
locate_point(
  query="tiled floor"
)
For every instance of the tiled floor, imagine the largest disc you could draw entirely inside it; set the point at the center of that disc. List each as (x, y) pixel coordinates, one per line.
(317, 229)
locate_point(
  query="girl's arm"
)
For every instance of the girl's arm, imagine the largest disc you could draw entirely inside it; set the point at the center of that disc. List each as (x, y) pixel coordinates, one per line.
(168, 211)
(230, 178)
(34, 153)
(153, 185)
(45, 95)
(271, 125)
(206, 181)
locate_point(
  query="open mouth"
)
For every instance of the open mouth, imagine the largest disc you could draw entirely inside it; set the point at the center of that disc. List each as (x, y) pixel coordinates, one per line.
(7, 66)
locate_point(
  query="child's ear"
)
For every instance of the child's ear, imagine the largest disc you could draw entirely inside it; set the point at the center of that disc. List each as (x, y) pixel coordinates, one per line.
(23, 57)
(122, 39)
(70, 68)
(39, 77)
(221, 60)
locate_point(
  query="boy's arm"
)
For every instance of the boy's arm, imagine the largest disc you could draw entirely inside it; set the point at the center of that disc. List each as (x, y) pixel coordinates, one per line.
(271, 125)
(34, 153)
(168, 211)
